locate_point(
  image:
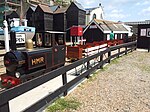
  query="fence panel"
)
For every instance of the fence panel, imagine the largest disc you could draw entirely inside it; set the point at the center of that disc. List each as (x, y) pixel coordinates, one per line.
(5, 96)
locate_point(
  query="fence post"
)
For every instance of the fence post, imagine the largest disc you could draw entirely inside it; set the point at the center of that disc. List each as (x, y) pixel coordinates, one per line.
(118, 53)
(64, 78)
(132, 46)
(4, 107)
(148, 45)
(88, 66)
(109, 54)
(135, 46)
(101, 60)
(125, 50)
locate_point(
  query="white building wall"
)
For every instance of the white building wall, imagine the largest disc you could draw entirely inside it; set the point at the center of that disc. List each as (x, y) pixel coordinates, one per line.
(87, 19)
(129, 28)
(99, 13)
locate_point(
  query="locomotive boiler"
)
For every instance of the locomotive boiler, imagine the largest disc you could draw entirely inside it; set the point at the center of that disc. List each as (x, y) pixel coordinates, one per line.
(23, 65)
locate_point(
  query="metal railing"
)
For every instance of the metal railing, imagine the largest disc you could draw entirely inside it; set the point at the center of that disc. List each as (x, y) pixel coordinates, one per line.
(5, 96)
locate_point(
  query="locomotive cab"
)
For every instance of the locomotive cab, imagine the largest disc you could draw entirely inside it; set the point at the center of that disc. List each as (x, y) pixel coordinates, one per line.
(56, 41)
(50, 39)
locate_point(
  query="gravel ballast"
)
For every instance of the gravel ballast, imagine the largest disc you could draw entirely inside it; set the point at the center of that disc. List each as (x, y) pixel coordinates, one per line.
(122, 86)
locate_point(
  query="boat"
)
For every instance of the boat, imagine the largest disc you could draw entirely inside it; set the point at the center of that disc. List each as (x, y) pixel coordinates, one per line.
(23, 32)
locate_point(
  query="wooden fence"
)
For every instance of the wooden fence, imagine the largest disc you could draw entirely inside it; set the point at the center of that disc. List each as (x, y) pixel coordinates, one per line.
(7, 95)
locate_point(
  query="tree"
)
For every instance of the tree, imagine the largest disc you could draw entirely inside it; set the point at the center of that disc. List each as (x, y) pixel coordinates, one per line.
(62, 2)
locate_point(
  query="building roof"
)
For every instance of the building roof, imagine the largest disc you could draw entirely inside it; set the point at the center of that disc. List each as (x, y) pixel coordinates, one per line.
(33, 7)
(54, 8)
(79, 5)
(101, 23)
(138, 22)
(61, 10)
(45, 8)
(88, 10)
(108, 26)
(113, 26)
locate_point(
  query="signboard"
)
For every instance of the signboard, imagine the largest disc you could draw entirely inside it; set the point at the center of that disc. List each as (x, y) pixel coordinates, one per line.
(148, 32)
(37, 61)
(20, 38)
(93, 27)
(143, 32)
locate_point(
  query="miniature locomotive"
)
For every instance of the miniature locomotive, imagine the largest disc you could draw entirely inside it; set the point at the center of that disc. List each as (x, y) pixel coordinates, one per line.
(22, 65)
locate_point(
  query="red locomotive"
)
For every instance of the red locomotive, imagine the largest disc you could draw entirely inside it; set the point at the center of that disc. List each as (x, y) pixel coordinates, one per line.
(22, 65)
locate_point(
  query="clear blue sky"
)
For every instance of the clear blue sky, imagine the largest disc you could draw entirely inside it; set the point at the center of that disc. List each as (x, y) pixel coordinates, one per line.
(121, 10)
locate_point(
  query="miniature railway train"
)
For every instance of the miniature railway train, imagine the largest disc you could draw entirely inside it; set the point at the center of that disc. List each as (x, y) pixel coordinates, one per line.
(50, 53)
(22, 65)
(80, 51)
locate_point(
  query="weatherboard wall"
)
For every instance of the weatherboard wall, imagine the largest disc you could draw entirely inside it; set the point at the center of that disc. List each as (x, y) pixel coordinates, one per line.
(30, 17)
(43, 20)
(143, 40)
(93, 34)
(60, 23)
(75, 16)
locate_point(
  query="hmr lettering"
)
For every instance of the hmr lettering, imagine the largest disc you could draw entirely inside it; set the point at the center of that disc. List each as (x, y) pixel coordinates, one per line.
(37, 61)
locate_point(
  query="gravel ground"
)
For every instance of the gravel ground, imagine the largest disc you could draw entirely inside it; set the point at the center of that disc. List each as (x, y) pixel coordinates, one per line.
(123, 86)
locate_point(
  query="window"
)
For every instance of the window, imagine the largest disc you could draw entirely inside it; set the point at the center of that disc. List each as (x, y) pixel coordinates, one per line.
(94, 16)
(60, 39)
(39, 39)
(108, 36)
(48, 39)
(101, 16)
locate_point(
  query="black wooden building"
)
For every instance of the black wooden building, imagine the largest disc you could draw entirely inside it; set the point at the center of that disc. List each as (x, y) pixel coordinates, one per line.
(55, 18)
(143, 40)
(43, 18)
(11, 15)
(60, 21)
(30, 15)
(75, 15)
(99, 30)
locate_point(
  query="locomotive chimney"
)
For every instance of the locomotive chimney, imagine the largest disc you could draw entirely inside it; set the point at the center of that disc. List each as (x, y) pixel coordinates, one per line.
(13, 40)
(29, 44)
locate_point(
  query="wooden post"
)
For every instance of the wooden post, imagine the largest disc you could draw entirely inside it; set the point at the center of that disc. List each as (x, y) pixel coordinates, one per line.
(135, 46)
(64, 78)
(88, 66)
(148, 44)
(101, 60)
(132, 48)
(126, 50)
(118, 52)
(4, 107)
(109, 54)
